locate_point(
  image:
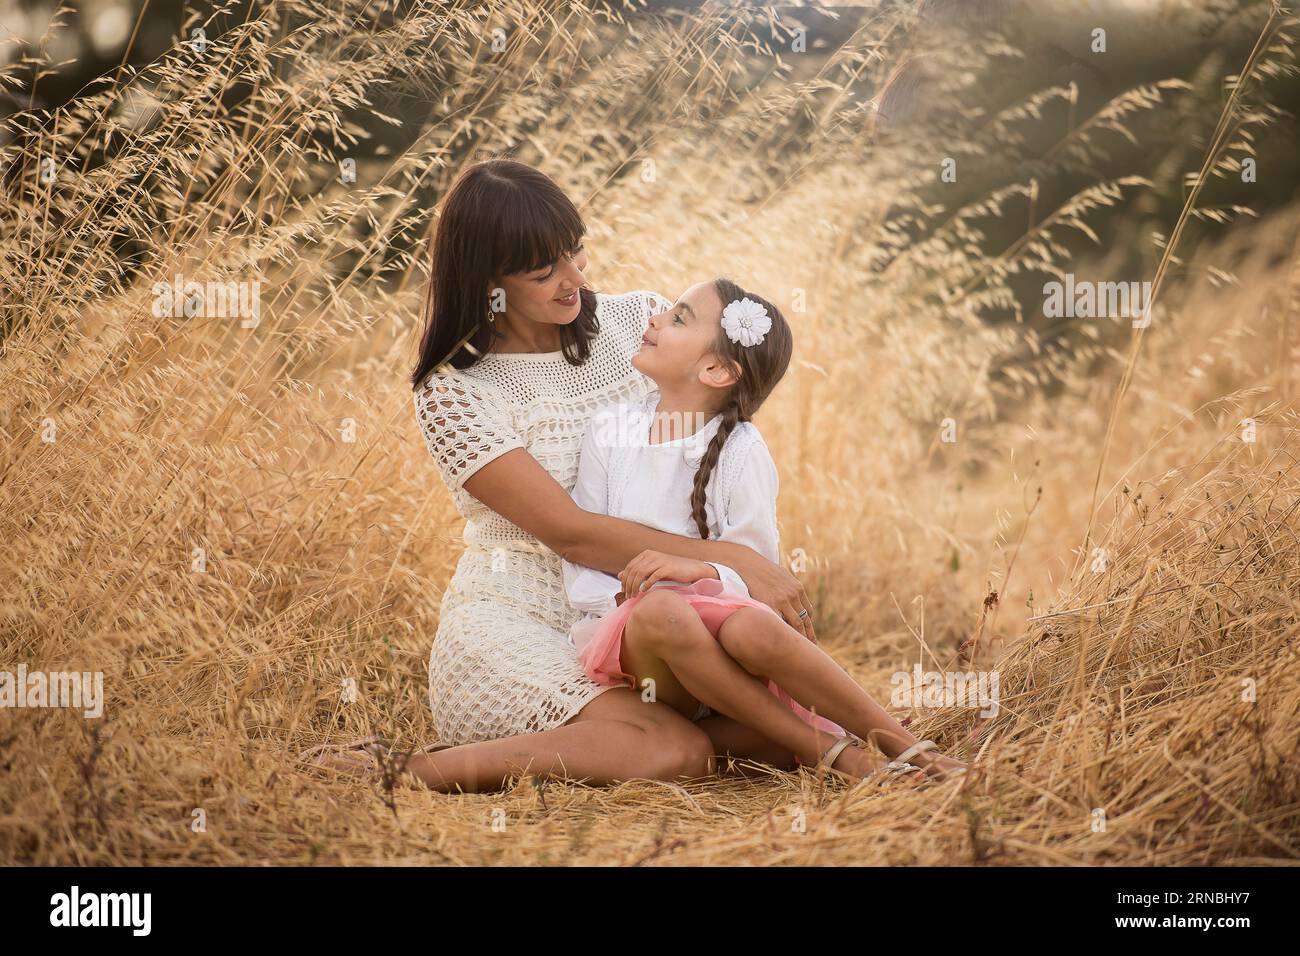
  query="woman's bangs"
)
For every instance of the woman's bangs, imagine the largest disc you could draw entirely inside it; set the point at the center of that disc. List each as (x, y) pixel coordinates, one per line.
(537, 235)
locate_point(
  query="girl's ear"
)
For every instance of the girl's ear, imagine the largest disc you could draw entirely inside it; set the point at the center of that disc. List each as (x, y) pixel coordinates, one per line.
(720, 373)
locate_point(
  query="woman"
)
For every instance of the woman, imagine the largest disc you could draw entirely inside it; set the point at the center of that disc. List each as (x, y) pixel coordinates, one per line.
(516, 356)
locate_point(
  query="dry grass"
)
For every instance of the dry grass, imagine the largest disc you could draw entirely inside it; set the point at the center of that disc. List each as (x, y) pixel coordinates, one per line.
(131, 441)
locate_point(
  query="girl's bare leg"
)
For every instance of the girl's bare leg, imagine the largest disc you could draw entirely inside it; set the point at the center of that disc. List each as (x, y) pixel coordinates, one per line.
(616, 737)
(666, 641)
(764, 644)
(733, 739)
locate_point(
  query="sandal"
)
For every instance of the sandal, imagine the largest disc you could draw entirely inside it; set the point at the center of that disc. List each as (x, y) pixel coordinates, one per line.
(898, 766)
(921, 746)
(900, 763)
(827, 759)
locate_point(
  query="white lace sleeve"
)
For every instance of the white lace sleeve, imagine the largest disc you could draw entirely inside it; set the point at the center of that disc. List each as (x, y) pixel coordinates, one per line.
(656, 304)
(632, 318)
(463, 428)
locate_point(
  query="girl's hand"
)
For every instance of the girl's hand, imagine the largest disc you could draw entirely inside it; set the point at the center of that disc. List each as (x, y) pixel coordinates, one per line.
(649, 567)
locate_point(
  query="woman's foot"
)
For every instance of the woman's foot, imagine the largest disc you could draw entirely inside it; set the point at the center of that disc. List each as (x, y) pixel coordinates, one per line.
(369, 757)
(359, 758)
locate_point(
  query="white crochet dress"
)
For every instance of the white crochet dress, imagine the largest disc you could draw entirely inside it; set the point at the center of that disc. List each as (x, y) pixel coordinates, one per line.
(501, 662)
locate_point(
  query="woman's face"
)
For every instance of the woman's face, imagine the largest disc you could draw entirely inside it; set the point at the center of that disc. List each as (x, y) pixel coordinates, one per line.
(678, 344)
(548, 295)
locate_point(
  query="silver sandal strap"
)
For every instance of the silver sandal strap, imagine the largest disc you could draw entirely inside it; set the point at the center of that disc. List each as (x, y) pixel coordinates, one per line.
(833, 751)
(919, 747)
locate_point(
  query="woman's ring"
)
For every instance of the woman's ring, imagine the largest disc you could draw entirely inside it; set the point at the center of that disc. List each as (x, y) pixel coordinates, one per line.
(803, 615)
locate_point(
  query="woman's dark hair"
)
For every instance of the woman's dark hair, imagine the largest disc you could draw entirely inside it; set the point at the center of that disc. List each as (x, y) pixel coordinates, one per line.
(499, 217)
(760, 366)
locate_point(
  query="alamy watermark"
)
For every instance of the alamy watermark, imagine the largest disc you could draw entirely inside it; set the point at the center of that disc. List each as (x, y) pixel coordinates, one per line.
(76, 908)
(1088, 300)
(240, 299)
(80, 690)
(632, 430)
(918, 688)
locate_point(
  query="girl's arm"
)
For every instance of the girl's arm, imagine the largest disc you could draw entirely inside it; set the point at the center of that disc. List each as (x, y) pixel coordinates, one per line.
(519, 489)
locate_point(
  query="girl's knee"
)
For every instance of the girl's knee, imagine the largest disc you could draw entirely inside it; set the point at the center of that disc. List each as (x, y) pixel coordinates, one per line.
(660, 606)
(661, 618)
(754, 636)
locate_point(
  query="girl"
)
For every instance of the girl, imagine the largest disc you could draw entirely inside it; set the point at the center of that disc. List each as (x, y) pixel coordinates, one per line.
(687, 460)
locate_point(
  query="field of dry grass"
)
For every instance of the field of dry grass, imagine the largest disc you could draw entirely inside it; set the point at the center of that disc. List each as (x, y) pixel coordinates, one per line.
(231, 522)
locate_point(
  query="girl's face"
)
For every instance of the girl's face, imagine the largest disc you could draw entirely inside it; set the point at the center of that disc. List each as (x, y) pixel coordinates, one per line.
(548, 295)
(677, 348)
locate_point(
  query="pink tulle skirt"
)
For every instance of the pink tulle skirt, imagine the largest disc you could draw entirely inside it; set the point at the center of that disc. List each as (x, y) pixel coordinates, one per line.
(599, 640)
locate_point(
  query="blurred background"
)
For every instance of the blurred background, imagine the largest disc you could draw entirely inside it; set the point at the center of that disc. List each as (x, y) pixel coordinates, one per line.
(1146, 42)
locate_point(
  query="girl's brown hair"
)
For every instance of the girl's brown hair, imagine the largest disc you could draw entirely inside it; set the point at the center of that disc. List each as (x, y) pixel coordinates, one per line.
(760, 368)
(499, 217)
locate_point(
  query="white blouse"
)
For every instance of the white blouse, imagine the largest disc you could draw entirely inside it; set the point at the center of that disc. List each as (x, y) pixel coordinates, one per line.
(620, 473)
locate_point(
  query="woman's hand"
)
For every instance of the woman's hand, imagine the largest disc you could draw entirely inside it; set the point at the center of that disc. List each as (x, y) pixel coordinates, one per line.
(649, 567)
(516, 487)
(776, 587)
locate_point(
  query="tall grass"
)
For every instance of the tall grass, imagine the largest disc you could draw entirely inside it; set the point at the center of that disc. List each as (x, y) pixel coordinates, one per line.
(231, 523)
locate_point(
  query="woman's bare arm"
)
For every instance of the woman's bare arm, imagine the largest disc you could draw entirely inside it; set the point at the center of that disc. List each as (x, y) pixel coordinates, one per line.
(519, 489)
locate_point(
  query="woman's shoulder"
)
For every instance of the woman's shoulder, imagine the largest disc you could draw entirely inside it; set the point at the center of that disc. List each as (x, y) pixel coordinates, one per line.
(631, 310)
(452, 386)
(646, 298)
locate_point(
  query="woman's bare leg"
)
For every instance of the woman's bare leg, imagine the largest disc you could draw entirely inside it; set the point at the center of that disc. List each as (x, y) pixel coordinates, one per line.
(763, 643)
(616, 737)
(665, 640)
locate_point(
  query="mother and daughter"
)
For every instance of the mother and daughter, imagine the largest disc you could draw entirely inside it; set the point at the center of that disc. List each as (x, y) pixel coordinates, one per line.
(620, 609)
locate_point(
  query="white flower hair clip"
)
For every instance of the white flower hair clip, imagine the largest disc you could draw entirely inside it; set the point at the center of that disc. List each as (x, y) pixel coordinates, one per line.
(745, 321)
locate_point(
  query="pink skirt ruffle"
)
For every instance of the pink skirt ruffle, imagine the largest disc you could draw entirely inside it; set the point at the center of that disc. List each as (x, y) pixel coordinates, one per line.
(599, 640)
